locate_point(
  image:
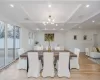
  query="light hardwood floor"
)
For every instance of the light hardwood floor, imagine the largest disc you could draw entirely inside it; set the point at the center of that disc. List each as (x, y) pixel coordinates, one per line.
(88, 71)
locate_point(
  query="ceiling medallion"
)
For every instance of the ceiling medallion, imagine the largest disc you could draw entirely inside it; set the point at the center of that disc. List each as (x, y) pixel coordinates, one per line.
(49, 21)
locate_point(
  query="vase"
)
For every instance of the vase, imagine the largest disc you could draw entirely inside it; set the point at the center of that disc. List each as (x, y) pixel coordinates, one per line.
(49, 47)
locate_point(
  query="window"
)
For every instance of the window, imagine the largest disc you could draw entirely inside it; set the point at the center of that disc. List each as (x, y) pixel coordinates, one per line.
(2, 48)
(13, 42)
(17, 40)
(9, 43)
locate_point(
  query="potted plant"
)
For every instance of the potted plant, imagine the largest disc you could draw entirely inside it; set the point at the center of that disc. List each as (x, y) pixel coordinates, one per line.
(49, 38)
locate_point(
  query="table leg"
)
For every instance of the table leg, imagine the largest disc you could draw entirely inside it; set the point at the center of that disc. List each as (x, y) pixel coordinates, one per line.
(27, 64)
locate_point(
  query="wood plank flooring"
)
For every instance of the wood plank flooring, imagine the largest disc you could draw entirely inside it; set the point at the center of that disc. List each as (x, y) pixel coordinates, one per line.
(88, 71)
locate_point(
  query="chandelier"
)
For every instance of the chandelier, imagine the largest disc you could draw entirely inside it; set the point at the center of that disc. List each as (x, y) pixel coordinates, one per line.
(50, 21)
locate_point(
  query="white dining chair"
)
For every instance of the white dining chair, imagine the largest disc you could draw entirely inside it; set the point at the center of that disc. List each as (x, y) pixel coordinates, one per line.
(87, 51)
(48, 68)
(63, 64)
(57, 48)
(34, 64)
(22, 62)
(48, 47)
(62, 48)
(74, 61)
(38, 48)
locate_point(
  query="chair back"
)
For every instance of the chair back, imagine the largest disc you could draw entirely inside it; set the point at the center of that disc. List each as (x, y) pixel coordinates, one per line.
(77, 51)
(33, 63)
(33, 56)
(48, 57)
(63, 64)
(20, 51)
(87, 51)
(48, 47)
(57, 48)
(38, 48)
(48, 68)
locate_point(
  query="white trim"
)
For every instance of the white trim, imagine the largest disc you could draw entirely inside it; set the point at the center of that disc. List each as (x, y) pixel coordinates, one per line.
(5, 42)
(77, 8)
(25, 11)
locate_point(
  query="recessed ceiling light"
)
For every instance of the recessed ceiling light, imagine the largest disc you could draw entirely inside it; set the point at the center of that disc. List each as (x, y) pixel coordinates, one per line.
(49, 5)
(61, 29)
(93, 21)
(56, 24)
(87, 6)
(11, 5)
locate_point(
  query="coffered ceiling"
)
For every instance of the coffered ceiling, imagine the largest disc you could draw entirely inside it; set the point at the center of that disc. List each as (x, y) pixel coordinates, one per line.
(68, 14)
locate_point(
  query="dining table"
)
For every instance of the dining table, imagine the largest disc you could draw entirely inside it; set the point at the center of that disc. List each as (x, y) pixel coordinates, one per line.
(40, 54)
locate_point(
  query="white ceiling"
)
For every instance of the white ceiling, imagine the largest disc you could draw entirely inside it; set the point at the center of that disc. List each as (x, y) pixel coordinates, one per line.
(68, 14)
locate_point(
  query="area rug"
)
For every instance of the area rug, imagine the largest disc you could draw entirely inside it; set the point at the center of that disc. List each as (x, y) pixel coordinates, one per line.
(95, 60)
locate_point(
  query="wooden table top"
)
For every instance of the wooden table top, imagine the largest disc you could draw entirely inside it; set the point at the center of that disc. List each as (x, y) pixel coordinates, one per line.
(40, 52)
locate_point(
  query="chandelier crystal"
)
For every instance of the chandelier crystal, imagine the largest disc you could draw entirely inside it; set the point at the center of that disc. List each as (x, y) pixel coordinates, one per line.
(50, 21)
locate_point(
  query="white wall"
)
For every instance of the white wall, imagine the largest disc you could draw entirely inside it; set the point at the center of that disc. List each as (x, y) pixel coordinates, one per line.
(59, 38)
(98, 34)
(79, 43)
(66, 39)
(25, 39)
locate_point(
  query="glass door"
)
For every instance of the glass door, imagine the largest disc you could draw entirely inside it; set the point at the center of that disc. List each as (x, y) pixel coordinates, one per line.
(2, 47)
(10, 43)
(17, 40)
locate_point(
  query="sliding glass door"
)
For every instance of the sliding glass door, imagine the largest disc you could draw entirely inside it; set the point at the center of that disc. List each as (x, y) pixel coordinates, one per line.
(2, 48)
(10, 43)
(17, 40)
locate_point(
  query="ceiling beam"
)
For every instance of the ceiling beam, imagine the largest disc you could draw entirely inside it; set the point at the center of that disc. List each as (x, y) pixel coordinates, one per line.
(86, 19)
(25, 12)
(73, 26)
(91, 16)
(77, 8)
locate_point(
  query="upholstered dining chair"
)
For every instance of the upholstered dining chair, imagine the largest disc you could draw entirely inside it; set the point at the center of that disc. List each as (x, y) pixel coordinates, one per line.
(48, 47)
(87, 51)
(22, 63)
(48, 68)
(63, 64)
(38, 48)
(57, 48)
(34, 64)
(74, 61)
